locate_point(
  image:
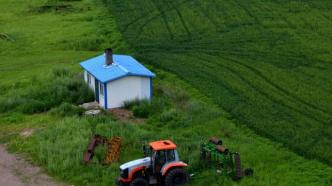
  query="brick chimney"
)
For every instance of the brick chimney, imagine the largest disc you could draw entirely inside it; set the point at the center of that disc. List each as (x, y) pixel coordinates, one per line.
(108, 56)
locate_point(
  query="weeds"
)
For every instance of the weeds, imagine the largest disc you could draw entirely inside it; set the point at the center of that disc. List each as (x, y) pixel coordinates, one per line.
(67, 109)
(60, 86)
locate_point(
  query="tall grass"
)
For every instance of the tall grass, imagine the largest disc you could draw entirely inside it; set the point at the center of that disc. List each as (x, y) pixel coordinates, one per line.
(58, 87)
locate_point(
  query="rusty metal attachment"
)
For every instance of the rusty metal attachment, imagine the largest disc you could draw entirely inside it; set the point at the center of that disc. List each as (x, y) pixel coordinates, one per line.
(94, 142)
(112, 151)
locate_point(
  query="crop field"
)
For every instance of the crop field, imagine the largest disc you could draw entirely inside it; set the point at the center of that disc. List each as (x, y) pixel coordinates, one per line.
(266, 62)
(232, 71)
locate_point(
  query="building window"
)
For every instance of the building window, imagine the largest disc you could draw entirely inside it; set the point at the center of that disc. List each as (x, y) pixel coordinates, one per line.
(101, 89)
(89, 78)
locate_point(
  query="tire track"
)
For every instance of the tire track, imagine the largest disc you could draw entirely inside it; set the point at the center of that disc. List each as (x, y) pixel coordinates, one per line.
(164, 17)
(267, 96)
(206, 15)
(248, 12)
(126, 26)
(327, 17)
(152, 60)
(131, 22)
(170, 3)
(149, 20)
(279, 88)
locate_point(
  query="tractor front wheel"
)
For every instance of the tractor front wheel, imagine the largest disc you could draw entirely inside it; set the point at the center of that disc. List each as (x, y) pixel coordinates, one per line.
(139, 182)
(177, 176)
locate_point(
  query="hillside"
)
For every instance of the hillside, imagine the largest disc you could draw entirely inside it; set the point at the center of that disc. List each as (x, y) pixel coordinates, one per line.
(197, 93)
(267, 63)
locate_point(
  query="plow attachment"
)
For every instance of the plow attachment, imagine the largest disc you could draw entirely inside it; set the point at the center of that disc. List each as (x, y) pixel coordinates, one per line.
(228, 162)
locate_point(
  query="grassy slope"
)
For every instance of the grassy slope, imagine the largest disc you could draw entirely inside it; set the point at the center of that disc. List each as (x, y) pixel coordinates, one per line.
(266, 62)
(58, 145)
(41, 40)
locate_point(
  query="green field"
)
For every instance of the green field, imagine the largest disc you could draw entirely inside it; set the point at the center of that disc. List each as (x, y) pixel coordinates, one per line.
(267, 63)
(234, 70)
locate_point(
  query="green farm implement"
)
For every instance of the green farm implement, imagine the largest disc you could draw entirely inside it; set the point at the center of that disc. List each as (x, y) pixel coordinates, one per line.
(228, 162)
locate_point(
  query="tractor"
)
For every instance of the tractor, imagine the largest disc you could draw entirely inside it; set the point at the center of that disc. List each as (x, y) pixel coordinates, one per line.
(161, 166)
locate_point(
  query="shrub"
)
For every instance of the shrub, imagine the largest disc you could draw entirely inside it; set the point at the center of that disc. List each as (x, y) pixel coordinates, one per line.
(61, 72)
(14, 117)
(130, 104)
(143, 110)
(47, 92)
(170, 115)
(176, 94)
(67, 109)
(155, 106)
(159, 104)
(31, 106)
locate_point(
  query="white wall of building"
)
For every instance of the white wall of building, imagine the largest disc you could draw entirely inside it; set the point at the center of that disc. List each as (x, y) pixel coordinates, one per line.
(92, 82)
(85, 76)
(126, 89)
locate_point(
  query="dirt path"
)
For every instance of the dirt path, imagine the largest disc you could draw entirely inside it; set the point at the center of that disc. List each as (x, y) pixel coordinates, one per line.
(14, 171)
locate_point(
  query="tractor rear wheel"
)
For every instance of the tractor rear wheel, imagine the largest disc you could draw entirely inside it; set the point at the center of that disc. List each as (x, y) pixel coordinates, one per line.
(177, 176)
(139, 182)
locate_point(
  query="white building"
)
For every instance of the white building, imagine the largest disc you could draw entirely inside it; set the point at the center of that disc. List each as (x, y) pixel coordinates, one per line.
(116, 79)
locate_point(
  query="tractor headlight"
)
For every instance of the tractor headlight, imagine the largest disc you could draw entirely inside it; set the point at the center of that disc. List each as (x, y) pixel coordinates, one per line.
(124, 173)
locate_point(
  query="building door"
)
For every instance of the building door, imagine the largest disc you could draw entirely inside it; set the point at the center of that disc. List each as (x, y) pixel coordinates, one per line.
(97, 90)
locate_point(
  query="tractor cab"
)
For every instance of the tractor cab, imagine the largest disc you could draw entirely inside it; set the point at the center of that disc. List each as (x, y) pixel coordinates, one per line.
(161, 165)
(162, 153)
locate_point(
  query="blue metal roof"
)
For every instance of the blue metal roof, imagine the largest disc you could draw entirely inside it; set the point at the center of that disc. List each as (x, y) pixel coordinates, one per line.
(123, 65)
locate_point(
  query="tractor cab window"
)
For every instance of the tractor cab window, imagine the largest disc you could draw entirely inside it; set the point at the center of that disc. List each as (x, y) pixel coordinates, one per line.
(170, 155)
(161, 158)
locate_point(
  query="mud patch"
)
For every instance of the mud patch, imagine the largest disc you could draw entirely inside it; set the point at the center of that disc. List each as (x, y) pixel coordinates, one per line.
(125, 115)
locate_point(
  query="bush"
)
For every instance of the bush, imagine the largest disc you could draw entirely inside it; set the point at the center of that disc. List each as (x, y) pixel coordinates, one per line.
(170, 115)
(31, 106)
(67, 109)
(14, 117)
(61, 72)
(140, 108)
(143, 110)
(130, 104)
(47, 92)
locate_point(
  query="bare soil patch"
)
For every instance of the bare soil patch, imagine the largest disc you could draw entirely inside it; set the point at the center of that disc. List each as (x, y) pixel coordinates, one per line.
(15, 171)
(125, 115)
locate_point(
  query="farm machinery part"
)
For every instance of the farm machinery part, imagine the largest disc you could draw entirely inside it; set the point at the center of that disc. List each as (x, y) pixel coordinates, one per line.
(228, 162)
(113, 146)
(161, 166)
